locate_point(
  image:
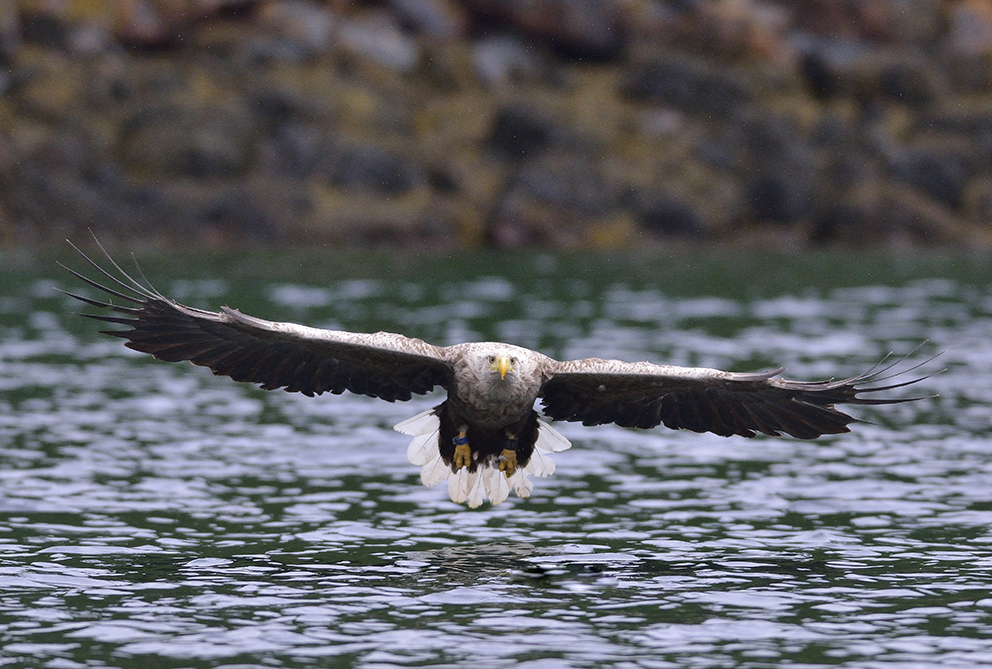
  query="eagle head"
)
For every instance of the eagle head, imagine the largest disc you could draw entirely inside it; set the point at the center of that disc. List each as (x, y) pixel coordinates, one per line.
(502, 363)
(494, 370)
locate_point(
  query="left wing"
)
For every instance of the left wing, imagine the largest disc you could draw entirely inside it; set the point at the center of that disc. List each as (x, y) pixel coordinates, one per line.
(272, 354)
(645, 395)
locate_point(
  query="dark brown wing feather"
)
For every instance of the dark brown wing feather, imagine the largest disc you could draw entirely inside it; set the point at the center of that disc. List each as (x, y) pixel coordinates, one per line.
(644, 395)
(275, 355)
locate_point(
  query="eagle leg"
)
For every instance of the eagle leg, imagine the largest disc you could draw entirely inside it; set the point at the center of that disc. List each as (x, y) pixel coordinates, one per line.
(508, 458)
(463, 453)
(508, 462)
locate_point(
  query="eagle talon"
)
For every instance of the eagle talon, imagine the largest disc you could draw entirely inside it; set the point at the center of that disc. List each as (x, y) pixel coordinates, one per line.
(463, 453)
(508, 462)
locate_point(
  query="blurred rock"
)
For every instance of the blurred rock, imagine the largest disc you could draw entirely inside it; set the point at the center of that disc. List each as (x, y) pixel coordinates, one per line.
(912, 81)
(10, 31)
(47, 91)
(690, 85)
(301, 152)
(968, 46)
(504, 60)
(880, 21)
(895, 215)
(660, 122)
(291, 151)
(371, 168)
(248, 210)
(741, 29)
(152, 24)
(667, 216)
(443, 19)
(351, 217)
(296, 29)
(91, 38)
(377, 38)
(864, 73)
(140, 23)
(564, 124)
(974, 120)
(567, 181)
(519, 132)
(782, 180)
(970, 31)
(45, 28)
(938, 169)
(966, 128)
(554, 199)
(977, 201)
(171, 140)
(582, 29)
(109, 86)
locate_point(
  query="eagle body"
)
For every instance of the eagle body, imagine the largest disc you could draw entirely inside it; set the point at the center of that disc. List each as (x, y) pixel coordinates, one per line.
(486, 437)
(486, 444)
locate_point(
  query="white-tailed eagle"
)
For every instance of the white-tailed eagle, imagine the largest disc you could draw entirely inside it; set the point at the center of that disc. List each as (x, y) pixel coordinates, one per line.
(486, 436)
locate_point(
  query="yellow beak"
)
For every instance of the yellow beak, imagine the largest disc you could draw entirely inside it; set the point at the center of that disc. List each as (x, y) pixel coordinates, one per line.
(502, 365)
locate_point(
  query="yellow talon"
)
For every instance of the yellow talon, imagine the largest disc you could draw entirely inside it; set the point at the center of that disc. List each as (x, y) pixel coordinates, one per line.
(463, 454)
(508, 462)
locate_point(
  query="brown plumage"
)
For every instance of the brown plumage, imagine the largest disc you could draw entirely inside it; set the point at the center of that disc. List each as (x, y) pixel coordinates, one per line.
(492, 387)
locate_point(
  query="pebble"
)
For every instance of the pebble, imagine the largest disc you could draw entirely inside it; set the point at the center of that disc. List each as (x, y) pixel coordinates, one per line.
(378, 39)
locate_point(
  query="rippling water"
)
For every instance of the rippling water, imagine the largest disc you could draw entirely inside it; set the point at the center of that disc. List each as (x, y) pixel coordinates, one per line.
(152, 515)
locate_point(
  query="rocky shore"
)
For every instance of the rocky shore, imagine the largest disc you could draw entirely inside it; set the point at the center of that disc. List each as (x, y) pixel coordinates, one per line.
(555, 124)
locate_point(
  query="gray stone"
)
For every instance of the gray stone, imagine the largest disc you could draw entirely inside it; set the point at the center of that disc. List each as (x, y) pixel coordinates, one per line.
(688, 84)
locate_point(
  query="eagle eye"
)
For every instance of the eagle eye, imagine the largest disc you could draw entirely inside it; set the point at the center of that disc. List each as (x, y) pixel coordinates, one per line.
(492, 358)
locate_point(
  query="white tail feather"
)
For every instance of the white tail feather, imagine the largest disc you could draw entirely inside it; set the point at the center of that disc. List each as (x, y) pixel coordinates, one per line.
(460, 484)
(477, 495)
(423, 448)
(521, 484)
(434, 471)
(422, 423)
(540, 464)
(497, 485)
(549, 439)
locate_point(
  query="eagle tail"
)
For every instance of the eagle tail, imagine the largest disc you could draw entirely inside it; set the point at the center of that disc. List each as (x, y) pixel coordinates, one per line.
(422, 427)
(497, 484)
(548, 441)
(423, 450)
(474, 485)
(467, 486)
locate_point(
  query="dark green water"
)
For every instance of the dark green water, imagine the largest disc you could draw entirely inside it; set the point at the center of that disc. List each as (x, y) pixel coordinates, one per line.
(152, 515)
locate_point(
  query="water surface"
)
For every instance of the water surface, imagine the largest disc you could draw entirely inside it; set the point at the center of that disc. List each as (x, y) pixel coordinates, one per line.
(154, 515)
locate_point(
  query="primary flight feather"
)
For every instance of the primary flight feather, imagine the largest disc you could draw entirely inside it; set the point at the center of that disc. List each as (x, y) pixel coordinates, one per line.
(486, 436)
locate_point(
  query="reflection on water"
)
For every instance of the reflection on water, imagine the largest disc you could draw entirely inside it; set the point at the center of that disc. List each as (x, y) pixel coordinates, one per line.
(153, 515)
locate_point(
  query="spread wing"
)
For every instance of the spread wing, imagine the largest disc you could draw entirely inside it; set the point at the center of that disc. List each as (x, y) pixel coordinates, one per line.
(645, 395)
(275, 355)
